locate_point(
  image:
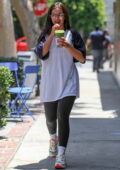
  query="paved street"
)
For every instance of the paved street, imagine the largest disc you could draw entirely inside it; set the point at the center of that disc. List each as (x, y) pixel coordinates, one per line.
(94, 142)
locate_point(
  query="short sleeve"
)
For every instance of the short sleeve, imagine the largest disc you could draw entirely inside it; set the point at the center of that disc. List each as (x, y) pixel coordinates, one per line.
(78, 43)
(39, 48)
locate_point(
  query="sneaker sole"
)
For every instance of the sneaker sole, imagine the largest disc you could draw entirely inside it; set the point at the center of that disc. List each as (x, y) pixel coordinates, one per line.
(58, 166)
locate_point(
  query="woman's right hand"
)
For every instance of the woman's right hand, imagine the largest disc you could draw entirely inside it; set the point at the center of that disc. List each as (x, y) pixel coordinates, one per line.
(55, 27)
(47, 43)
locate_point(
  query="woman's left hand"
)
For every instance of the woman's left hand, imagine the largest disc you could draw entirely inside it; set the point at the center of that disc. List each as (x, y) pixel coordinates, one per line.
(62, 42)
(74, 52)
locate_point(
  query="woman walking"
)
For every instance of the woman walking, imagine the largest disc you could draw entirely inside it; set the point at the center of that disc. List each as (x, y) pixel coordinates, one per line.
(59, 78)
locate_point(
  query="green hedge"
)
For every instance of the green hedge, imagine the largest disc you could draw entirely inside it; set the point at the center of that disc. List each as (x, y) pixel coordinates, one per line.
(8, 83)
(6, 79)
(20, 65)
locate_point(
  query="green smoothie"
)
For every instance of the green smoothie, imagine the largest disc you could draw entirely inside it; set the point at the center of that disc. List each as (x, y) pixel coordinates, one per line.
(59, 34)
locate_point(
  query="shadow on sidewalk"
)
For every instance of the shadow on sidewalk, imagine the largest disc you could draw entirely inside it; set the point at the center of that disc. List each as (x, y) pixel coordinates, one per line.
(92, 146)
(35, 108)
(46, 163)
(110, 92)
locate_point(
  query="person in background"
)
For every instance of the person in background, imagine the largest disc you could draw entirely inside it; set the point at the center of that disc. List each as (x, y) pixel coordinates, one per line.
(107, 47)
(96, 39)
(59, 85)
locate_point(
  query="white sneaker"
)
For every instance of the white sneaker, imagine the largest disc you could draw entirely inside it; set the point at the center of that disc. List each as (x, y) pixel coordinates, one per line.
(60, 162)
(53, 148)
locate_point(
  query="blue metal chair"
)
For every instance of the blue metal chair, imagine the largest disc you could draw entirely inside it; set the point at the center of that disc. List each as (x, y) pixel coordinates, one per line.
(18, 105)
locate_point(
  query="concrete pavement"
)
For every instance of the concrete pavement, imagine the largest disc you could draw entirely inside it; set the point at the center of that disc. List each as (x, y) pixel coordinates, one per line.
(94, 142)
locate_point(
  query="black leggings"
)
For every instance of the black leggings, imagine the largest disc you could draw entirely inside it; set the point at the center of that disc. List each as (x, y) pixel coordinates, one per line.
(60, 110)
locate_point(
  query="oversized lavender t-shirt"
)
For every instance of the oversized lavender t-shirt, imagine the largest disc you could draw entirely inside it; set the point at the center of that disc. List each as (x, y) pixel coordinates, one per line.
(59, 76)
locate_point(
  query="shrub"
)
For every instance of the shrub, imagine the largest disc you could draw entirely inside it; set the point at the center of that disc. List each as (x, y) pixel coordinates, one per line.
(6, 78)
(20, 65)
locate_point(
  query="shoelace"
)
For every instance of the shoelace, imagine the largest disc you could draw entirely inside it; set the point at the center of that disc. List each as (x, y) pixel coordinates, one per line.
(60, 158)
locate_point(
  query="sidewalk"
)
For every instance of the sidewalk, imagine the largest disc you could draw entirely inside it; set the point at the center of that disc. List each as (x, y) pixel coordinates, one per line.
(12, 134)
(94, 142)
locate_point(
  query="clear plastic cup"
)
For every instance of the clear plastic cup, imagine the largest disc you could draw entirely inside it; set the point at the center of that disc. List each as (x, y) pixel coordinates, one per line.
(59, 34)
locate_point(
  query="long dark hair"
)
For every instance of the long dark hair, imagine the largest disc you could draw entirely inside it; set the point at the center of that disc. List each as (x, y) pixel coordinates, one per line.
(48, 25)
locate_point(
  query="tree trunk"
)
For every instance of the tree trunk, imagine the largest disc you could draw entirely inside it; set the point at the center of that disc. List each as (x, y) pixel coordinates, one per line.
(7, 39)
(28, 20)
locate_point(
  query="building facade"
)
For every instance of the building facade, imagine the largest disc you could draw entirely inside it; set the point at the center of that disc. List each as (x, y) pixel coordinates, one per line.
(112, 8)
(109, 9)
(116, 60)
